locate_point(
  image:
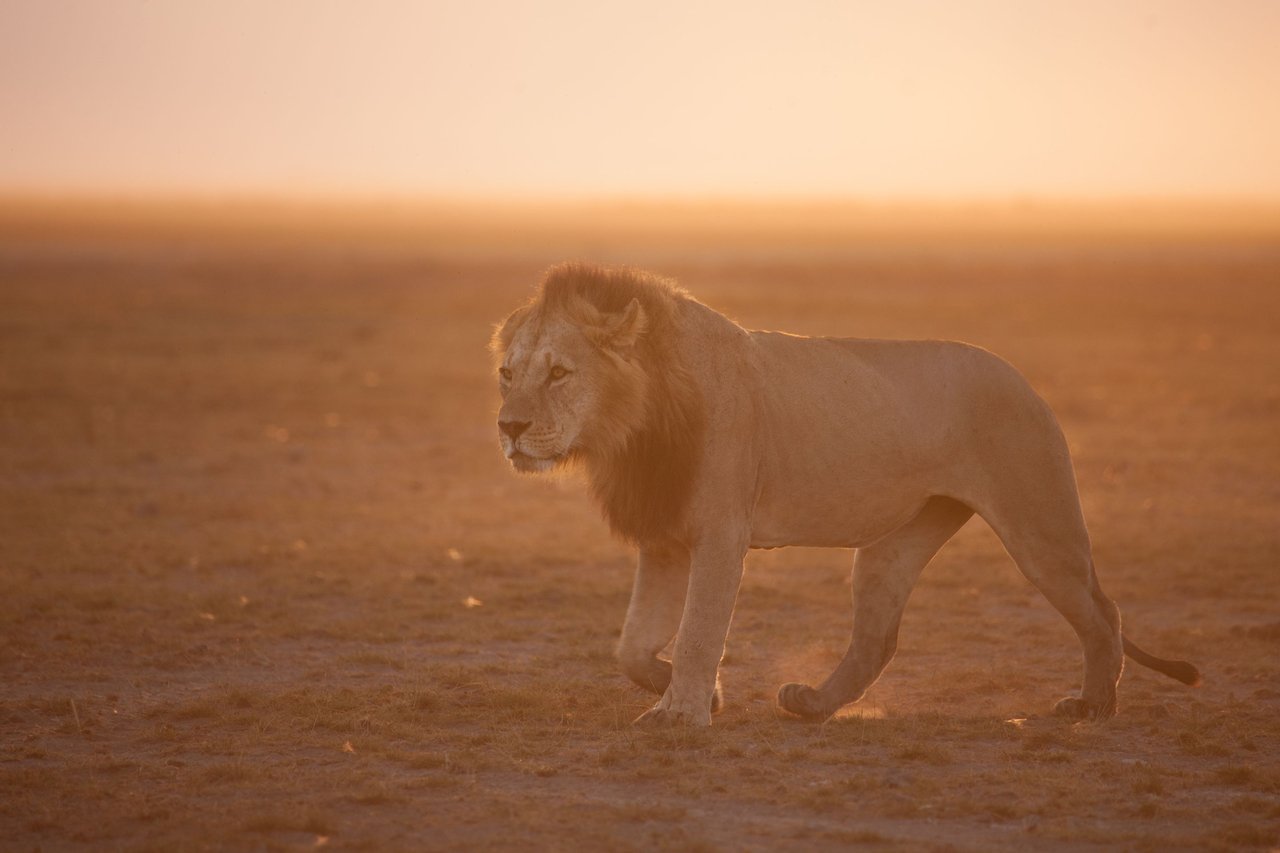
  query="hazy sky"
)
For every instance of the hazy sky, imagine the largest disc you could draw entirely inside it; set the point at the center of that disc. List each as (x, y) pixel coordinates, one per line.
(950, 98)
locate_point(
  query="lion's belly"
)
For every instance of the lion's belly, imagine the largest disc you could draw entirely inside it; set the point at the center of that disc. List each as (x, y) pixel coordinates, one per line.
(838, 519)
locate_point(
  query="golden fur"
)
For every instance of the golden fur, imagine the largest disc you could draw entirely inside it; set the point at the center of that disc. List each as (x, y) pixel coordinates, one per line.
(701, 439)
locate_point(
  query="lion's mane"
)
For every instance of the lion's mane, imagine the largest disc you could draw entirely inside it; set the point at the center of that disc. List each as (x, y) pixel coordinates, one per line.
(641, 456)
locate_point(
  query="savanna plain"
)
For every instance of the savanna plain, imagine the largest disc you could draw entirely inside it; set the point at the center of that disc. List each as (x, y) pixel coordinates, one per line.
(266, 581)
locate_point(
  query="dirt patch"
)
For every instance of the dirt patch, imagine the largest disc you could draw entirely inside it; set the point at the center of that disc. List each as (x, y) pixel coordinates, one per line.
(266, 583)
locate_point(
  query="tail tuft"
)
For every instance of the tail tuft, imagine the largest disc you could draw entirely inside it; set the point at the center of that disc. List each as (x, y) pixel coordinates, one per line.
(1179, 670)
(1184, 672)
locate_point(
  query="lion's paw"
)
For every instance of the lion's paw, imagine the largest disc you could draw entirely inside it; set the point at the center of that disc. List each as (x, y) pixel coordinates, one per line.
(1071, 707)
(1077, 709)
(803, 701)
(658, 717)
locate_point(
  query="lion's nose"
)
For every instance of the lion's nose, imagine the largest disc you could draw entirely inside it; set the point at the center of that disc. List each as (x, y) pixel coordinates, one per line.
(513, 428)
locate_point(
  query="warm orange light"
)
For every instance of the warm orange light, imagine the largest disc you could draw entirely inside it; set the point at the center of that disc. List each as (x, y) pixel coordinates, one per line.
(828, 98)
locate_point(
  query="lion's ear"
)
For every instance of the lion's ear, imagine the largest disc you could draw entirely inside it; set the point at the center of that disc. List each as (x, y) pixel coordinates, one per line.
(623, 330)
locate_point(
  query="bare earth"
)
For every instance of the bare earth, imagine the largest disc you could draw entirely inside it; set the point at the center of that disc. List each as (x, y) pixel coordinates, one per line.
(267, 583)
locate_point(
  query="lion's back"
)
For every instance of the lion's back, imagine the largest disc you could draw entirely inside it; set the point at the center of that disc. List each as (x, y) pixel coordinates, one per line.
(894, 416)
(926, 381)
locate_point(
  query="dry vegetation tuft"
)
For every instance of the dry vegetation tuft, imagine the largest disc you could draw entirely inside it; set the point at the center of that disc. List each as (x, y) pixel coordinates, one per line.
(265, 582)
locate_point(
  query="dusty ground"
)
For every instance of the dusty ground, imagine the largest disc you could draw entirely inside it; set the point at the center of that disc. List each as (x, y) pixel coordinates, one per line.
(265, 581)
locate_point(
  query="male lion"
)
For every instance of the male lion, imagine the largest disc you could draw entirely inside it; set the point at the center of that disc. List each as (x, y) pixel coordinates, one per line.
(702, 439)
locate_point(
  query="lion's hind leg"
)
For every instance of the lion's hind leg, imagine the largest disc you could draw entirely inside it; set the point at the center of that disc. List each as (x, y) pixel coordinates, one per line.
(883, 576)
(1056, 558)
(1096, 621)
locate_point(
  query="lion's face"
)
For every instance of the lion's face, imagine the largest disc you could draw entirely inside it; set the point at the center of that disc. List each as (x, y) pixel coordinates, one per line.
(568, 387)
(549, 380)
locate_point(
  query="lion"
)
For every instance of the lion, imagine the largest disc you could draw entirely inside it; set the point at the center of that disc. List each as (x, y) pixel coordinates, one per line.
(701, 439)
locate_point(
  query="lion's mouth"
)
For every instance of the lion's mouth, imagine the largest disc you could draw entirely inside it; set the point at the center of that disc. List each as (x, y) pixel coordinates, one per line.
(523, 462)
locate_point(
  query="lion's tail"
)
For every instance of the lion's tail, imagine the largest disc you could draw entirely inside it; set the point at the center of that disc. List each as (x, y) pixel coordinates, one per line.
(1176, 669)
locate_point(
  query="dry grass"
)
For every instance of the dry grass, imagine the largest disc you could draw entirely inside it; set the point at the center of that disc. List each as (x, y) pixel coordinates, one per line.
(247, 490)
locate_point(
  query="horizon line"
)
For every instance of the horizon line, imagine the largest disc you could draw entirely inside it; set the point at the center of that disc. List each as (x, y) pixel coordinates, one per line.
(203, 196)
(662, 197)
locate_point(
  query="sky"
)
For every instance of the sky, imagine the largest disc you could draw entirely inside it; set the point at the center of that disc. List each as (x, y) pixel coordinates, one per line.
(904, 99)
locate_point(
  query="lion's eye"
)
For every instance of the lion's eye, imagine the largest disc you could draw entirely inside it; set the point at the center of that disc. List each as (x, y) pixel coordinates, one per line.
(557, 372)
(505, 374)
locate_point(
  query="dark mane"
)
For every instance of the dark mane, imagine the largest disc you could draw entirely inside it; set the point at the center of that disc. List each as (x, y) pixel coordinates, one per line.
(643, 487)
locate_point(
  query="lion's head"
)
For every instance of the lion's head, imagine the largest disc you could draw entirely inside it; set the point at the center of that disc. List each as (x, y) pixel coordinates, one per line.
(588, 372)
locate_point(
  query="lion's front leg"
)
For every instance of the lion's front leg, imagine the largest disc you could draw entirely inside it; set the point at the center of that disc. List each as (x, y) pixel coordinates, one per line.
(714, 576)
(657, 601)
